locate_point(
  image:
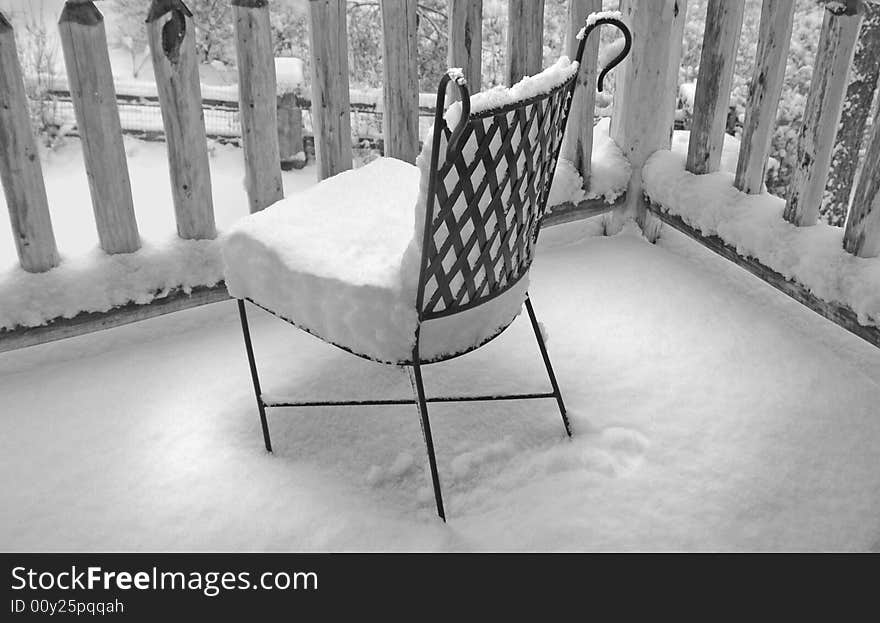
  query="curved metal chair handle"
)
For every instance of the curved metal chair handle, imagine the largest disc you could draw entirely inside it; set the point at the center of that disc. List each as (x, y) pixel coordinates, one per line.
(627, 45)
(465, 97)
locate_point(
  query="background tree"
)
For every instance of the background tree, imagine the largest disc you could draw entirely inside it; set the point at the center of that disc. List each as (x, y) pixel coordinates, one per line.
(212, 18)
(129, 32)
(40, 61)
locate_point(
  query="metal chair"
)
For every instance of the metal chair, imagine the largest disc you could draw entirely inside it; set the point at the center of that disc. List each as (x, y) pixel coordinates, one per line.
(488, 182)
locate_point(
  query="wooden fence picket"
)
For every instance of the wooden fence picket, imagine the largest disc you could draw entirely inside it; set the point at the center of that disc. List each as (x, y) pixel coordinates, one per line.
(84, 43)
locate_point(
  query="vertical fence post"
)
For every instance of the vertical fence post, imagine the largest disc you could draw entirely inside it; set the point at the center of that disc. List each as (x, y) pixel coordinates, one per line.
(331, 108)
(290, 133)
(257, 102)
(840, 30)
(400, 120)
(84, 42)
(642, 114)
(717, 60)
(525, 39)
(171, 34)
(465, 49)
(857, 108)
(862, 234)
(577, 146)
(774, 38)
(20, 169)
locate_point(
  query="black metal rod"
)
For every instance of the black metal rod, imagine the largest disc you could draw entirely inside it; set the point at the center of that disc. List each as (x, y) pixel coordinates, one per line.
(419, 391)
(406, 401)
(540, 337)
(256, 379)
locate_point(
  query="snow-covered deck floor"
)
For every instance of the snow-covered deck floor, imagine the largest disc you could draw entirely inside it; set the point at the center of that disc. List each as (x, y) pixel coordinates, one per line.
(710, 412)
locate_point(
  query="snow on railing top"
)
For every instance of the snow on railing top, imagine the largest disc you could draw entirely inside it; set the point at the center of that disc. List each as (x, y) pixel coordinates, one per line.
(753, 224)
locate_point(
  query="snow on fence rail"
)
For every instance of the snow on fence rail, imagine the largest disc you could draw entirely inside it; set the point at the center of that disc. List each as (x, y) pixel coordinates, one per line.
(726, 219)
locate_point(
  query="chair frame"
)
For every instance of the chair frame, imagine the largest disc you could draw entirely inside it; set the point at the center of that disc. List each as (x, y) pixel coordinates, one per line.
(414, 366)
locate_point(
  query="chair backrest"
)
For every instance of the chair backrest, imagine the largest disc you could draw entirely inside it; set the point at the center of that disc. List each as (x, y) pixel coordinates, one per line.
(489, 181)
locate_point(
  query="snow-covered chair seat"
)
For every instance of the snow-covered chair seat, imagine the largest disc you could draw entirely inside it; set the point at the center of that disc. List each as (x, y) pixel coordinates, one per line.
(340, 260)
(407, 264)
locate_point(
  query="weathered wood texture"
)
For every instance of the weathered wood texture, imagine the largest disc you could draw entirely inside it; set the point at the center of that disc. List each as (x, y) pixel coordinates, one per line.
(400, 121)
(20, 169)
(89, 322)
(84, 42)
(821, 116)
(465, 42)
(774, 38)
(856, 110)
(642, 114)
(577, 145)
(862, 235)
(171, 34)
(568, 212)
(837, 313)
(257, 102)
(525, 38)
(712, 99)
(331, 108)
(290, 133)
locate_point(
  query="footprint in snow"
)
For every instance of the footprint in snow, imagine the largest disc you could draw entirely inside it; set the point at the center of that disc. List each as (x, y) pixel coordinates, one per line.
(611, 451)
(620, 451)
(401, 466)
(468, 463)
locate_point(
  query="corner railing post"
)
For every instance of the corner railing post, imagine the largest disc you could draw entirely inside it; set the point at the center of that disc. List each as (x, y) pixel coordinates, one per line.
(643, 112)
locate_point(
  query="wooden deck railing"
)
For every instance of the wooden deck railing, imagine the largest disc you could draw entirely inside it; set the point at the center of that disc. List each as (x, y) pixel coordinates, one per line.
(642, 120)
(821, 124)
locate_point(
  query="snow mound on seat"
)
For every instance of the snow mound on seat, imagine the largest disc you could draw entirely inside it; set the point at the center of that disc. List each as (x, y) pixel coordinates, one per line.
(329, 258)
(332, 260)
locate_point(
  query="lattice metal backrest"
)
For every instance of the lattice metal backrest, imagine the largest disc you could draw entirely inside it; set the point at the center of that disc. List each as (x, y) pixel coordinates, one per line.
(490, 190)
(490, 180)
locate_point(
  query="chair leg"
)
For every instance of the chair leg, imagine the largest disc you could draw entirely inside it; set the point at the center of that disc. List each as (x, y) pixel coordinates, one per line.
(415, 376)
(540, 337)
(256, 379)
